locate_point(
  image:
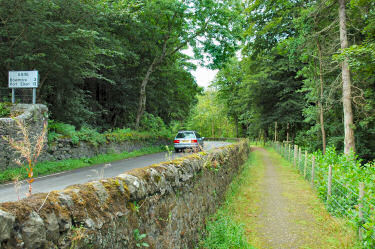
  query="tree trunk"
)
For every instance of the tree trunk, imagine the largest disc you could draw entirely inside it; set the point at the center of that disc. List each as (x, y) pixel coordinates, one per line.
(321, 116)
(236, 121)
(142, 94)
(346, 85)
(275, 131)
(287, 133)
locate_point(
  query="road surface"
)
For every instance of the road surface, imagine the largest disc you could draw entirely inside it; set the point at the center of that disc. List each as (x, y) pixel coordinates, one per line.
(61, 180)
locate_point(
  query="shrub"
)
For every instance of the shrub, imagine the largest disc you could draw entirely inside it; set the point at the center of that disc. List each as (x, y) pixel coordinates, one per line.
(151, 123)
(91, 135)
(5, 110)
(58, 130)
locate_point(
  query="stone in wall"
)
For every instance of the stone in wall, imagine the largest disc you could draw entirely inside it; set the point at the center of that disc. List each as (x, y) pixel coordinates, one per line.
(33, 116)
(167, 202)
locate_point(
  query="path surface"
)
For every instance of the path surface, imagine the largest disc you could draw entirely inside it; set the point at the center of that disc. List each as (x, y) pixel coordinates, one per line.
(61, 180)
(278, 215)
(280, 210)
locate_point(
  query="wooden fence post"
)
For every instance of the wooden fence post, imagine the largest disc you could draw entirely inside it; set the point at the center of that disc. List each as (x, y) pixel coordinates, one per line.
(312, 170)
(295, 155)
(286, 151)
(289, 156)
(299, 157)
(360, 208)
(305, 167)
(329, 187)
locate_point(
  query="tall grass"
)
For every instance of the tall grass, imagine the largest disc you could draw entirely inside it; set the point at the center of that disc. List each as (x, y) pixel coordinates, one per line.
(222, 231)
(29, 148)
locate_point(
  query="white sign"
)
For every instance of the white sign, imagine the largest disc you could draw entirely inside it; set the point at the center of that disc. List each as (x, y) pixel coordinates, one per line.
(23, 79)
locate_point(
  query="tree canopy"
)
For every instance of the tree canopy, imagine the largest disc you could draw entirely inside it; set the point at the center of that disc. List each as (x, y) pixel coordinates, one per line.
(108, 63)
(290, 73)
(93, 55)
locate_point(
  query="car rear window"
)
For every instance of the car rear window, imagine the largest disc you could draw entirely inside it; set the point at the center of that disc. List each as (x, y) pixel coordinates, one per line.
(185, 135)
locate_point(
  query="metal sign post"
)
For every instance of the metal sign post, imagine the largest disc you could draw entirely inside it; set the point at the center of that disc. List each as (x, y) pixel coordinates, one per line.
(23, 79)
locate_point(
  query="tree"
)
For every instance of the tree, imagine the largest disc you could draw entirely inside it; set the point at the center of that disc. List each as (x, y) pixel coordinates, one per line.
(92, 56)
(180, 23)
(228, 82)
(346, 85)
(209, 117)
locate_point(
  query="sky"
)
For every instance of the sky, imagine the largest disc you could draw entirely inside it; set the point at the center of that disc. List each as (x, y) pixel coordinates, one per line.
(203, 75)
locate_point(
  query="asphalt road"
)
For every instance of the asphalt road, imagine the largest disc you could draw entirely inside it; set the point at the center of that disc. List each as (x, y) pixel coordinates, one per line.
(61, 180)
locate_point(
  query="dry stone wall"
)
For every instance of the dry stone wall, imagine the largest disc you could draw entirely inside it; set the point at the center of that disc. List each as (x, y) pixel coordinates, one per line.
(167, 203)
(65, 149)
(34, 116)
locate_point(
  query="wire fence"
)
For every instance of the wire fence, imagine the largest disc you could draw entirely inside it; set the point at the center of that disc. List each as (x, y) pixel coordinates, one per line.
(22, 95)
(342, 199)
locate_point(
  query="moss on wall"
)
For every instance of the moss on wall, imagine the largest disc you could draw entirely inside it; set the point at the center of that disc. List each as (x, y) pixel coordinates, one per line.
(164, 205)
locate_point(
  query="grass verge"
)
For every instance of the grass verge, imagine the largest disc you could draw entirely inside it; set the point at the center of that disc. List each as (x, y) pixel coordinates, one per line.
(46, 168)
(222, 231)
(242, 222)
(338, 233)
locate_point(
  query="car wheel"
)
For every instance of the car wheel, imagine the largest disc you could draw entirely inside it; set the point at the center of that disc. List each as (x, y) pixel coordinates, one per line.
(176, 150)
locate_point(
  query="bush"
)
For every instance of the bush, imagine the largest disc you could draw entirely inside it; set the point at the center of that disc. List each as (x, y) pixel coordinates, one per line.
(58, 130)
(5, 110)
(91, 135)
(127, 134)
(151, 123)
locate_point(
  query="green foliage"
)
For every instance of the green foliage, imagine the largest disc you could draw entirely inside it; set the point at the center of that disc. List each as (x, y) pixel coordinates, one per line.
(209, 118)
(139, 237)
(93, 55)
(290, 72)
(151, 123)
(58, 130)
(224, 233)
(221, 230)
(91, 135)
(347, 174)
(4, 110)
(127, 134)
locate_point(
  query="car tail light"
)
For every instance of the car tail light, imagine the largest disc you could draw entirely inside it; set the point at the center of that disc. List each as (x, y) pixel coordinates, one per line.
(194, 141)
(176, 141)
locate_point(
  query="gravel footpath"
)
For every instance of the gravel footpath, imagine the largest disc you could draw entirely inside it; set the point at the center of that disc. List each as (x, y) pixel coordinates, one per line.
(286, 213)
(278, 214)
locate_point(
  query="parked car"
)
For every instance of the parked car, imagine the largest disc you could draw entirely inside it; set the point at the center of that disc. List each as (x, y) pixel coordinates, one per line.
(188, 140)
